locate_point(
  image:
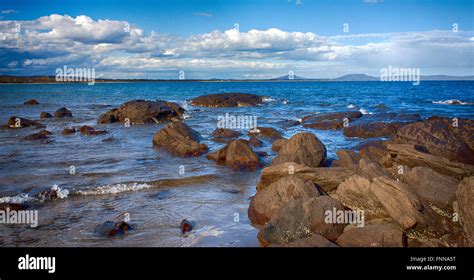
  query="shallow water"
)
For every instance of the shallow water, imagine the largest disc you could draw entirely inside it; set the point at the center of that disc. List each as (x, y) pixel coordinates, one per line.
(128, 175)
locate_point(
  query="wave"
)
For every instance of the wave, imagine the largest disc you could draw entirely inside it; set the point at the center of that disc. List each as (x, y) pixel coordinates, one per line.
(17, 199)
(351, 106)
(364, 112)
(452, 102)
(114, 189)
(267, 99)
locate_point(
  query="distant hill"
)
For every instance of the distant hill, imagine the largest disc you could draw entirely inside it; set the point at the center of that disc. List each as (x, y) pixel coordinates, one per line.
(356, 77)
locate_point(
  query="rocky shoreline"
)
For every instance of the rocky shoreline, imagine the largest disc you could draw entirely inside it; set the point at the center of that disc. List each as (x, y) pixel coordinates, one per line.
(415, 187)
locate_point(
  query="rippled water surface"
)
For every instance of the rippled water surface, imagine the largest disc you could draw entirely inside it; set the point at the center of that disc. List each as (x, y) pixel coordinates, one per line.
(128, 175)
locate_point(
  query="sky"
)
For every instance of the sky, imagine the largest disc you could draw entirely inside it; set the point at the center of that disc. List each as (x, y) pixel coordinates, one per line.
(236, 39)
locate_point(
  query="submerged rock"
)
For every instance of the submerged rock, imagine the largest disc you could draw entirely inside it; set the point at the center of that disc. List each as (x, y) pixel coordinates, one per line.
(237, 155)
(90, 131)
(110, 228)
(42, 135)
(304, 148)
(265, 132)
(143, 112)
(179, 139)
(63, 113)
(225, 135)
(227, 100)
(186, 226)
(45, 115)
(69, 131)
(31, 102)
(17, 122)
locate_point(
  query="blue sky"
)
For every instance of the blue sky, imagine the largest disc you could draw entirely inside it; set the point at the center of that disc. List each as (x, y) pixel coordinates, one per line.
(274, 37)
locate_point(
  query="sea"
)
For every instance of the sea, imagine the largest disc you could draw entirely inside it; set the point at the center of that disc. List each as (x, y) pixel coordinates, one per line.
(106, 177)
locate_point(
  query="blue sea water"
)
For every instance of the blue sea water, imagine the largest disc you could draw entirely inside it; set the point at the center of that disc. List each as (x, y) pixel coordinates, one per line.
(120, 176)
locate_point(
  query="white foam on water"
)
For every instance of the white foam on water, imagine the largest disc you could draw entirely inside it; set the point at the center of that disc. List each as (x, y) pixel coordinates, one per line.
(452, 102)
(62, 193)
(351, 106)
(17, 199)
(268, 99)
(115, 189)
(364, 112)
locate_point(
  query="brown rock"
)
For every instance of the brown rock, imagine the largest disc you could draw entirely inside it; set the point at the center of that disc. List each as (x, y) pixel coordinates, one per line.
(327, 178)
(267, 203)
(69, 131)
(436, 188)
(62, 113)
(313, 241)
(179, 139)
(237, 155)
(465, 196)
(42, 135)
(225, 135)
(369, 130)
(45, 115)
(90, 131)
(265, 132)
(31, 102)
(348, 159)
(381, 234)
(227, 100)
(277, 144)
(142, 112)
(302, 218)
(330, 120)
(441, 137)
(304, 148)
(17, 122)
(254, 142)
(378, 155)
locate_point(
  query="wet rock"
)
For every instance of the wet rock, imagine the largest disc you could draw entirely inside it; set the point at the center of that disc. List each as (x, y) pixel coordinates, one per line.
(227, 100)
(369, 130)
(445, 137)
(42, 135)
(436, 188)
(288, 123)
(304, 148)
(143, 112)
(380, 234)
(313, 241)
(410, 155)
(90, 131)
(265, 132)
(348, 159)
(17, 122)
(254, 142)
(108, 140)
(237, 155)
(179, 139)
(45, 115)
(302, 218)
(110, 228)
(465, 198)
(277, 144)
(63, 113)
(69, 131)
(31, 102)
(225, 135)
(186, 226)
(267, 203)
(330, 121)
(327, 178)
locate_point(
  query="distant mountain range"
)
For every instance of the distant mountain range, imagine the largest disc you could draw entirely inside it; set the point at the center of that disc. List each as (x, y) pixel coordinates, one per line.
(345, 78)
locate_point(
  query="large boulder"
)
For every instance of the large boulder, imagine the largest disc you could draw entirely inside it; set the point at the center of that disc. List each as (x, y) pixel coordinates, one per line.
(445, 137)
(327, 178)
(331, 121)
(436, 188)
(179, 139)
(227, 100)
(62, 112)
(380, 233)
(277, 144)
(369, 130)
(142, 112)
(237, 155)
(304, 148)
(465, 196)
(17, 122)
(267, 203)
(302, 218)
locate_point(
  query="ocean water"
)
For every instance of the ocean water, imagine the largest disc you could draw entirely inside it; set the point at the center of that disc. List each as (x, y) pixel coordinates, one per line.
(128, 175)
